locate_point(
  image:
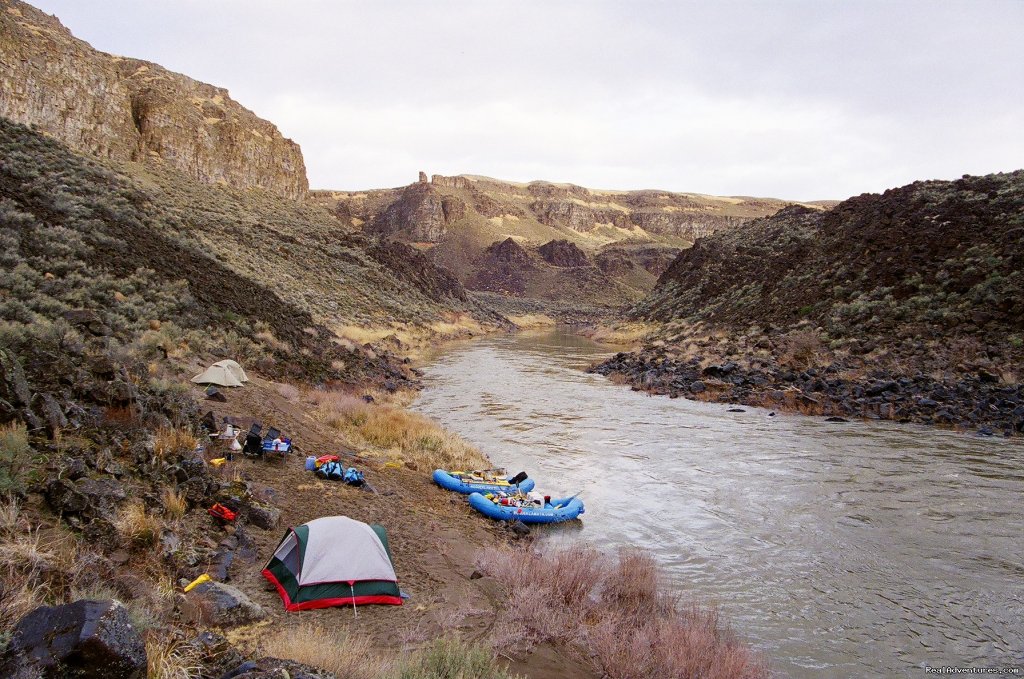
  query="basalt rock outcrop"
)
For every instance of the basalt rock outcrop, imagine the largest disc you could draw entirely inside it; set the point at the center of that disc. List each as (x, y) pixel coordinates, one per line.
(421, 214)
(904, 305)
(84, 640)
(504, 268)
(562, 253)
(127, 109)
(457, 220)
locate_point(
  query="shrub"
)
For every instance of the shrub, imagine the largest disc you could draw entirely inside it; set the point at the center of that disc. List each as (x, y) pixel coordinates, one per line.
(451, 658)
(613, 609)
(16, 457)
(800, 349)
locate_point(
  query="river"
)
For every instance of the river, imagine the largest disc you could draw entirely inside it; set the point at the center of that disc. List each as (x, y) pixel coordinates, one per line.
(840, 550)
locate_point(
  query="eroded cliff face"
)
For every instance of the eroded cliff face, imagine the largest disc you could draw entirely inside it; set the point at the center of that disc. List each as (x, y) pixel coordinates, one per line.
(127, 109)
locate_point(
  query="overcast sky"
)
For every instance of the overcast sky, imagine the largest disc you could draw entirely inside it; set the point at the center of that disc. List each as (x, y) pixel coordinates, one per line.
(799, 100)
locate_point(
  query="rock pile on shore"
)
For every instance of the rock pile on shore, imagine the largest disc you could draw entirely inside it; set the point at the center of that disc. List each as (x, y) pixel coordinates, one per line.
(974, 401)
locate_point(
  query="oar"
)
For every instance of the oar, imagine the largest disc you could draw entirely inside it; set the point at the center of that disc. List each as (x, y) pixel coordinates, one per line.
(568, 500)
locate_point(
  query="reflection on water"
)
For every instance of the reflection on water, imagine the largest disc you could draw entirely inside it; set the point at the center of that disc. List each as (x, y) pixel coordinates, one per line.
(843, 550)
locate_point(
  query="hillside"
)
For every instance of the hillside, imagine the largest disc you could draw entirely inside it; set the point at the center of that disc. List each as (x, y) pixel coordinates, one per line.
(126, 109)
(626, 237)
(906, 305)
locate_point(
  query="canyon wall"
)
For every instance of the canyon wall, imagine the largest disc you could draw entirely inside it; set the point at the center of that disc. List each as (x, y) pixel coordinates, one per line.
(127, 109)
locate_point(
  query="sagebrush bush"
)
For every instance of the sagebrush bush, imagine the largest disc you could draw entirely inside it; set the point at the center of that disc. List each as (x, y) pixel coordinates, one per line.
(616, 612)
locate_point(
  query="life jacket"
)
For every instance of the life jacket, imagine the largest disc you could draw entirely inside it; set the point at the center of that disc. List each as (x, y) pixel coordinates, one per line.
(219, 511)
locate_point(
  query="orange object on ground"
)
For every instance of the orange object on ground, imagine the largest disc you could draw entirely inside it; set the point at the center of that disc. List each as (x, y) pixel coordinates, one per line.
(219, 511)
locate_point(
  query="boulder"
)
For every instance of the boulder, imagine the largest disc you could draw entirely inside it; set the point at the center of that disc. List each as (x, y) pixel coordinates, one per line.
(87, 319)
(92, 498)
(79, 640)
(697, 386)
(223, 605)
(216, 654)
(263, 516)
(275, 668)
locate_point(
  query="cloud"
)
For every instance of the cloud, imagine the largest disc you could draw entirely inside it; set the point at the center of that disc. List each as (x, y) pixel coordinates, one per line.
(797, 99)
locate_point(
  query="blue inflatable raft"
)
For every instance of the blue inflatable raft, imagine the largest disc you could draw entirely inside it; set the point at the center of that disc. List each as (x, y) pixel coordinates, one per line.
(553, 511)
(462, 484)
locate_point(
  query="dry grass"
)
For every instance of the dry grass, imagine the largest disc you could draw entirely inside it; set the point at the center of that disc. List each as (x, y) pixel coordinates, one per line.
(623, 334)
(451, 658)
(137, 526)
(361, 335)
(346, 655)
(417, 440)
(175, 504)
(289, 392)
(15, 456)
(11, 521)
(171, 441)
(613, 611)
(526, 321)
(170, 659)
(16, 600)
(32, 568)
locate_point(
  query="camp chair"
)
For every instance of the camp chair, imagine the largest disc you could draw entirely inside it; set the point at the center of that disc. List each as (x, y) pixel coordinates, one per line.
(272, 433)
(253, 441)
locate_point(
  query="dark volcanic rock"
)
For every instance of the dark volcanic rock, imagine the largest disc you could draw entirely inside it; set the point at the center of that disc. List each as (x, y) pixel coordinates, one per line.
(91, 498)
(408, 263)
(223, 605)
(263, 516)
(420, 214)
(84, 640)
(275, 668)
(563, 253)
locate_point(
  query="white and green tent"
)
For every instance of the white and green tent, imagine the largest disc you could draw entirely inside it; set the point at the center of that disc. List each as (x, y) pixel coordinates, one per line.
(333, 561)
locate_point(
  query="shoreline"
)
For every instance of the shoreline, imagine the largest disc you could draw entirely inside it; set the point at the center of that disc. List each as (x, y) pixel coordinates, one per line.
(974, 402)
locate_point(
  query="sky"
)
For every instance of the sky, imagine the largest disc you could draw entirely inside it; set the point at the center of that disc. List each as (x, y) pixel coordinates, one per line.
(821, 99)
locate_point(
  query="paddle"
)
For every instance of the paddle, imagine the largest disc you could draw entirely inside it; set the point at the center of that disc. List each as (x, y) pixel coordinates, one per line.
(567, 500)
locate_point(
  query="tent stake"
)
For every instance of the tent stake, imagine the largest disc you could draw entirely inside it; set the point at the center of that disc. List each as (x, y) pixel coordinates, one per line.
(352, 589)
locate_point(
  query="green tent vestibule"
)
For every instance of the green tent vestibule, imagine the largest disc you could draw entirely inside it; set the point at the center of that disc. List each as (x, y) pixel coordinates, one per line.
(333, 561)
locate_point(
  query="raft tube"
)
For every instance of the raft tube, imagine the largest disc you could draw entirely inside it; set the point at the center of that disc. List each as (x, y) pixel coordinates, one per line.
(559, 509)
(450, 481)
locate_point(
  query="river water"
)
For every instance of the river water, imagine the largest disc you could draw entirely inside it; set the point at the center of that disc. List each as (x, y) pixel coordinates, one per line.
(840, 550)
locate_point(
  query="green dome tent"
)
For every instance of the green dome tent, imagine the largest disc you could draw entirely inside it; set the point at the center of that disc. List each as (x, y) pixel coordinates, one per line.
(333, 561)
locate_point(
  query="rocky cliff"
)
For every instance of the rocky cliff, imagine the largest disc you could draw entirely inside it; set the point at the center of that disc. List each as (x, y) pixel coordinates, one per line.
(905, 305)
(540, 211)
(126, 109)
(620, 241)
